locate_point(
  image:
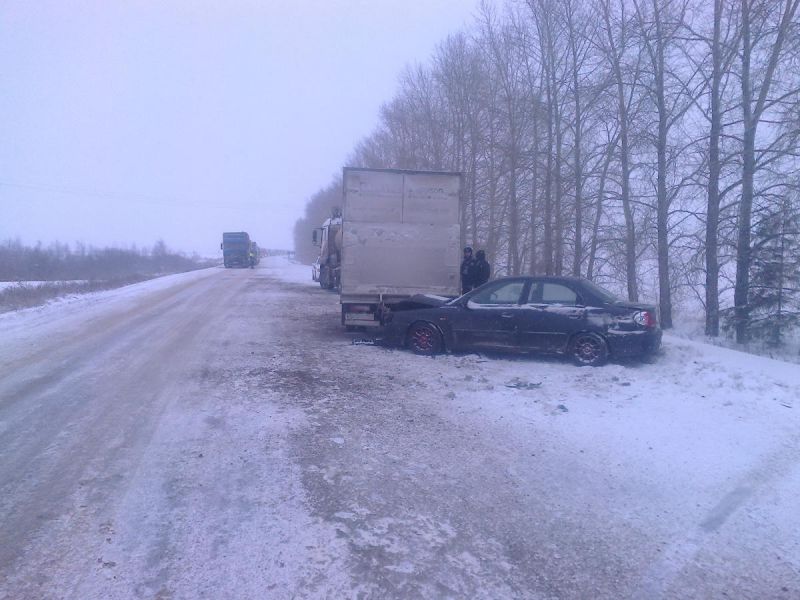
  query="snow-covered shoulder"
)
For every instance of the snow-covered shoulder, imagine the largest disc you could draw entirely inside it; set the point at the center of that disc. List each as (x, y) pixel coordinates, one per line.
(79, 306)
(286, 269)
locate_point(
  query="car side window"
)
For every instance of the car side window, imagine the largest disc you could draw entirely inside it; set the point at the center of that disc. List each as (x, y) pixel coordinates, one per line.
(506, 293)
(555, 293)
(534, 293)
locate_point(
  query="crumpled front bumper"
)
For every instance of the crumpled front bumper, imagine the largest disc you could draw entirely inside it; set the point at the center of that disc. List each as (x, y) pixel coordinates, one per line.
(634, 343)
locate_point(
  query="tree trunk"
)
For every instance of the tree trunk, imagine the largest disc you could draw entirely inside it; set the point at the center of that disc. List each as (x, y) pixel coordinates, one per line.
(599, 212)
(713, 201)
(614, 55)
(662, 201)
(577, 257)
(513, 221)
(534, 191)
(630, 233)
(742, 285)
(548, 189)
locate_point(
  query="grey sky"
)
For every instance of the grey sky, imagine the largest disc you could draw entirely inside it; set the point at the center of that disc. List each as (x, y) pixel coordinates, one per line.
(125, 122)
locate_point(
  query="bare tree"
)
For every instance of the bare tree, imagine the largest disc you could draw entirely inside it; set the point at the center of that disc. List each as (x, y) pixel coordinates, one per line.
(755, 101)
(615, 40)
(660, 22)
(722, 50)
(588, 128)
(505, 53)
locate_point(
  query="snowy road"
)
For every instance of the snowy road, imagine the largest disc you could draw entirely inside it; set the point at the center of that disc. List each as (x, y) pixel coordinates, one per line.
(216, 435)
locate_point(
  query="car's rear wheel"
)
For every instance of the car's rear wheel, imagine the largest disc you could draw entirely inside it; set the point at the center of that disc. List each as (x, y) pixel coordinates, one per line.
(589, 350)
(425, 339)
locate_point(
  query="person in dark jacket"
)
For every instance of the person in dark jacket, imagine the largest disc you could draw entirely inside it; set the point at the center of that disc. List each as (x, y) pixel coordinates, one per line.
(467, 271)
(481, 269)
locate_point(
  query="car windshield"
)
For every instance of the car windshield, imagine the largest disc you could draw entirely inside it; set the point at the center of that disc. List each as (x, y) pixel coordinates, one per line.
(600, 292)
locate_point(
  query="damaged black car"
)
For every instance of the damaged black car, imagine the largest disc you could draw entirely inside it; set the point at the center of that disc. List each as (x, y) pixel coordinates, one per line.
(550, 315)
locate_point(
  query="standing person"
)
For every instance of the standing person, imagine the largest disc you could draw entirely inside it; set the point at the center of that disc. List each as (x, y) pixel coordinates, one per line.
(467, 271)
(481, 269)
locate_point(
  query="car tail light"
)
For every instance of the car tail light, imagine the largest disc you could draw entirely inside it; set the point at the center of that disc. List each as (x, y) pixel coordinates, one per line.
(645, 318)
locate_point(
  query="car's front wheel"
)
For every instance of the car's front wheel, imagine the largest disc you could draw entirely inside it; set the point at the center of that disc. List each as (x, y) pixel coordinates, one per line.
(589, 349)
(424, 338)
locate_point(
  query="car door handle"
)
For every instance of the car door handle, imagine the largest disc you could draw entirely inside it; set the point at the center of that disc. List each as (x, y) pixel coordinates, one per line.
(507, 315)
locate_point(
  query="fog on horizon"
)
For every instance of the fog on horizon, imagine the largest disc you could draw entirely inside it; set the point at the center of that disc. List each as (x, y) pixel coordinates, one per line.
(128, 123)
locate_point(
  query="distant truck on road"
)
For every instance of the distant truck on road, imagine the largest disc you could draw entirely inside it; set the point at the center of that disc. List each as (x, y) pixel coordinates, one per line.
(399, 235)
(235, 249)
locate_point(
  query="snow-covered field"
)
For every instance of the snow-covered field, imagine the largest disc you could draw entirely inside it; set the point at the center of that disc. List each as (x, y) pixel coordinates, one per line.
(217, 434)
(10, 284)
(63, 306)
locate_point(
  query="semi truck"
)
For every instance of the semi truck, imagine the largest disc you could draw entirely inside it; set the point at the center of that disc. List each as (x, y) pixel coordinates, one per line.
(399, 235)
(235, 248)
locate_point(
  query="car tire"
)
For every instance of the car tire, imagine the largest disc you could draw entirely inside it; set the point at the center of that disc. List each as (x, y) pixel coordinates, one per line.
(589, 350)
(425, 339)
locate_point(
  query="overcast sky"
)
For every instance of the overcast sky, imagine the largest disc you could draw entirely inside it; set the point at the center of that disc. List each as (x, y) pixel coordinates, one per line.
(128, 121)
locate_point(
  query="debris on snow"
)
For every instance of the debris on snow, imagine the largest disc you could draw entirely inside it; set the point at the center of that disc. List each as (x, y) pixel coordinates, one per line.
(517, 383)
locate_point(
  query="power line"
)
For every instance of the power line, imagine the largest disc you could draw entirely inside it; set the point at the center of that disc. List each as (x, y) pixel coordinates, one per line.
(130, 199)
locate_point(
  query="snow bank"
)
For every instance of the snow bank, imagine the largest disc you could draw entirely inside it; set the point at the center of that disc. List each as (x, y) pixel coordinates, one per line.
(285, 269)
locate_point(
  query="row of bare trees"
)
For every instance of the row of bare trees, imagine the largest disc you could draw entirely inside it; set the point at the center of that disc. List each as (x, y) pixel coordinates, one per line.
(651, 145)
(20, 262)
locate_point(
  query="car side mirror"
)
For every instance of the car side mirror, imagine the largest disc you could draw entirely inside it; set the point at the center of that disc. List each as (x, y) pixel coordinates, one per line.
(220, 245)
(315, 237)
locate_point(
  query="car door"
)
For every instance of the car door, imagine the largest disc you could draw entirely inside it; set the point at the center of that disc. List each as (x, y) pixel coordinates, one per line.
(488, 319)
(550, 314)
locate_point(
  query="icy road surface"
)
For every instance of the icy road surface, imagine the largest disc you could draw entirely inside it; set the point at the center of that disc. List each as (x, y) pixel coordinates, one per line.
(216, 435)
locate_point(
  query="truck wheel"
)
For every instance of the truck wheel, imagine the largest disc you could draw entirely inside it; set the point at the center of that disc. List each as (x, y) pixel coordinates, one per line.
(424, 338)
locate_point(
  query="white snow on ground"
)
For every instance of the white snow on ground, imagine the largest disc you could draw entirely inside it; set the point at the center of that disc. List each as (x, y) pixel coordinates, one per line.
(722, 424)
(60, 309)
(700, 417)
(9, 284)
(288, 270)
(700, 449)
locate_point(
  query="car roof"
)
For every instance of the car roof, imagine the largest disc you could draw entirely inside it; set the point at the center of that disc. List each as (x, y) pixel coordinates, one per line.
(564, 278)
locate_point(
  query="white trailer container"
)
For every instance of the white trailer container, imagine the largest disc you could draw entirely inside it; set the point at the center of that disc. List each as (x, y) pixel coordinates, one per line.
(401, 236)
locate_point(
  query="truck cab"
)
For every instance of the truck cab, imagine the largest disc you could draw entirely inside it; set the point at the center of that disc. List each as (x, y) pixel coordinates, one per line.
(235, 248)
(327, 268)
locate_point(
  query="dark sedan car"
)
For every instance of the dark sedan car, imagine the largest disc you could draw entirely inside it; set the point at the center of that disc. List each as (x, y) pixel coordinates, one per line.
(551, 315)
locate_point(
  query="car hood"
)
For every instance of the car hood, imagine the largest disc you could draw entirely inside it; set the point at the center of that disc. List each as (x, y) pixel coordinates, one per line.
(422, 301)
